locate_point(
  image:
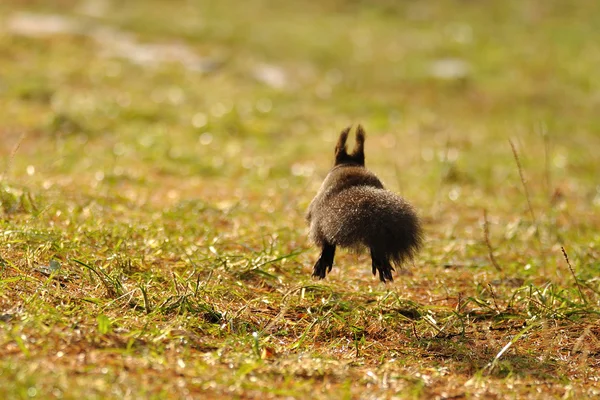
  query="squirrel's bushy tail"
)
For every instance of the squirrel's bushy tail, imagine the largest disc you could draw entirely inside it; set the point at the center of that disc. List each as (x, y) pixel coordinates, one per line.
(363, 216)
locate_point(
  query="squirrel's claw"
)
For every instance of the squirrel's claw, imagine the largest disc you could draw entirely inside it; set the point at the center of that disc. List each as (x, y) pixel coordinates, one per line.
(325, 262)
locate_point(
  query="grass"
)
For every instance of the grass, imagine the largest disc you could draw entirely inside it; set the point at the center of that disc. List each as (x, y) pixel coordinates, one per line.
(158, 158)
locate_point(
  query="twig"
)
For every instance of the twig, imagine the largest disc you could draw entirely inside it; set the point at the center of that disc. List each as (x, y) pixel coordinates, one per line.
(13, 152)
(436, 196)
(548, 176)
(414, 328)
(523, 181)
(574, 277)
(284, 308)
(494, 298)
(486, 236)
(492, 364)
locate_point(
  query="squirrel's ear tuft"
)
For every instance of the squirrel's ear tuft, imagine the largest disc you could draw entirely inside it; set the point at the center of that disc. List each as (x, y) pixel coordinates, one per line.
(340, 148)
(358, 154)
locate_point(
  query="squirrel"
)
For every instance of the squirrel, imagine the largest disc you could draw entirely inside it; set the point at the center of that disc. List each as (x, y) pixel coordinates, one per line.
(352, 209)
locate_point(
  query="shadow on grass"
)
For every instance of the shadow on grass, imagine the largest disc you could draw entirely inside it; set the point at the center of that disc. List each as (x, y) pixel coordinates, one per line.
(480, 356)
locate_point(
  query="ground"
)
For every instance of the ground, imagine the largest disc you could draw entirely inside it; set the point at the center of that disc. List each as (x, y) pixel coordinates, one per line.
(158, 159)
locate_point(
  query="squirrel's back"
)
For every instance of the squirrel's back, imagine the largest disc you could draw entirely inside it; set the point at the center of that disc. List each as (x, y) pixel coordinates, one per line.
(340, 178)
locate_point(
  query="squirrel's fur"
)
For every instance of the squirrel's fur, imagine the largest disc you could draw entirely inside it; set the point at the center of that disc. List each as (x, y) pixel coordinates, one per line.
(353, 210)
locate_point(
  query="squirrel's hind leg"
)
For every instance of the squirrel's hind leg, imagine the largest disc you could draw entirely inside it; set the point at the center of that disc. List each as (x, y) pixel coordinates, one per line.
(382, 264)
(325, 262)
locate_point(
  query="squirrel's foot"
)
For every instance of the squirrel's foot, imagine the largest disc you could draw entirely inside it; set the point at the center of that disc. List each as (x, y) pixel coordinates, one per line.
(325, 262)
(320, 269)
(385, 273)
(384, 267)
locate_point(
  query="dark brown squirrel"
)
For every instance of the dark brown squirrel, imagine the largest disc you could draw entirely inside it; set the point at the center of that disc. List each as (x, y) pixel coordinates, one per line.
(353, 210)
